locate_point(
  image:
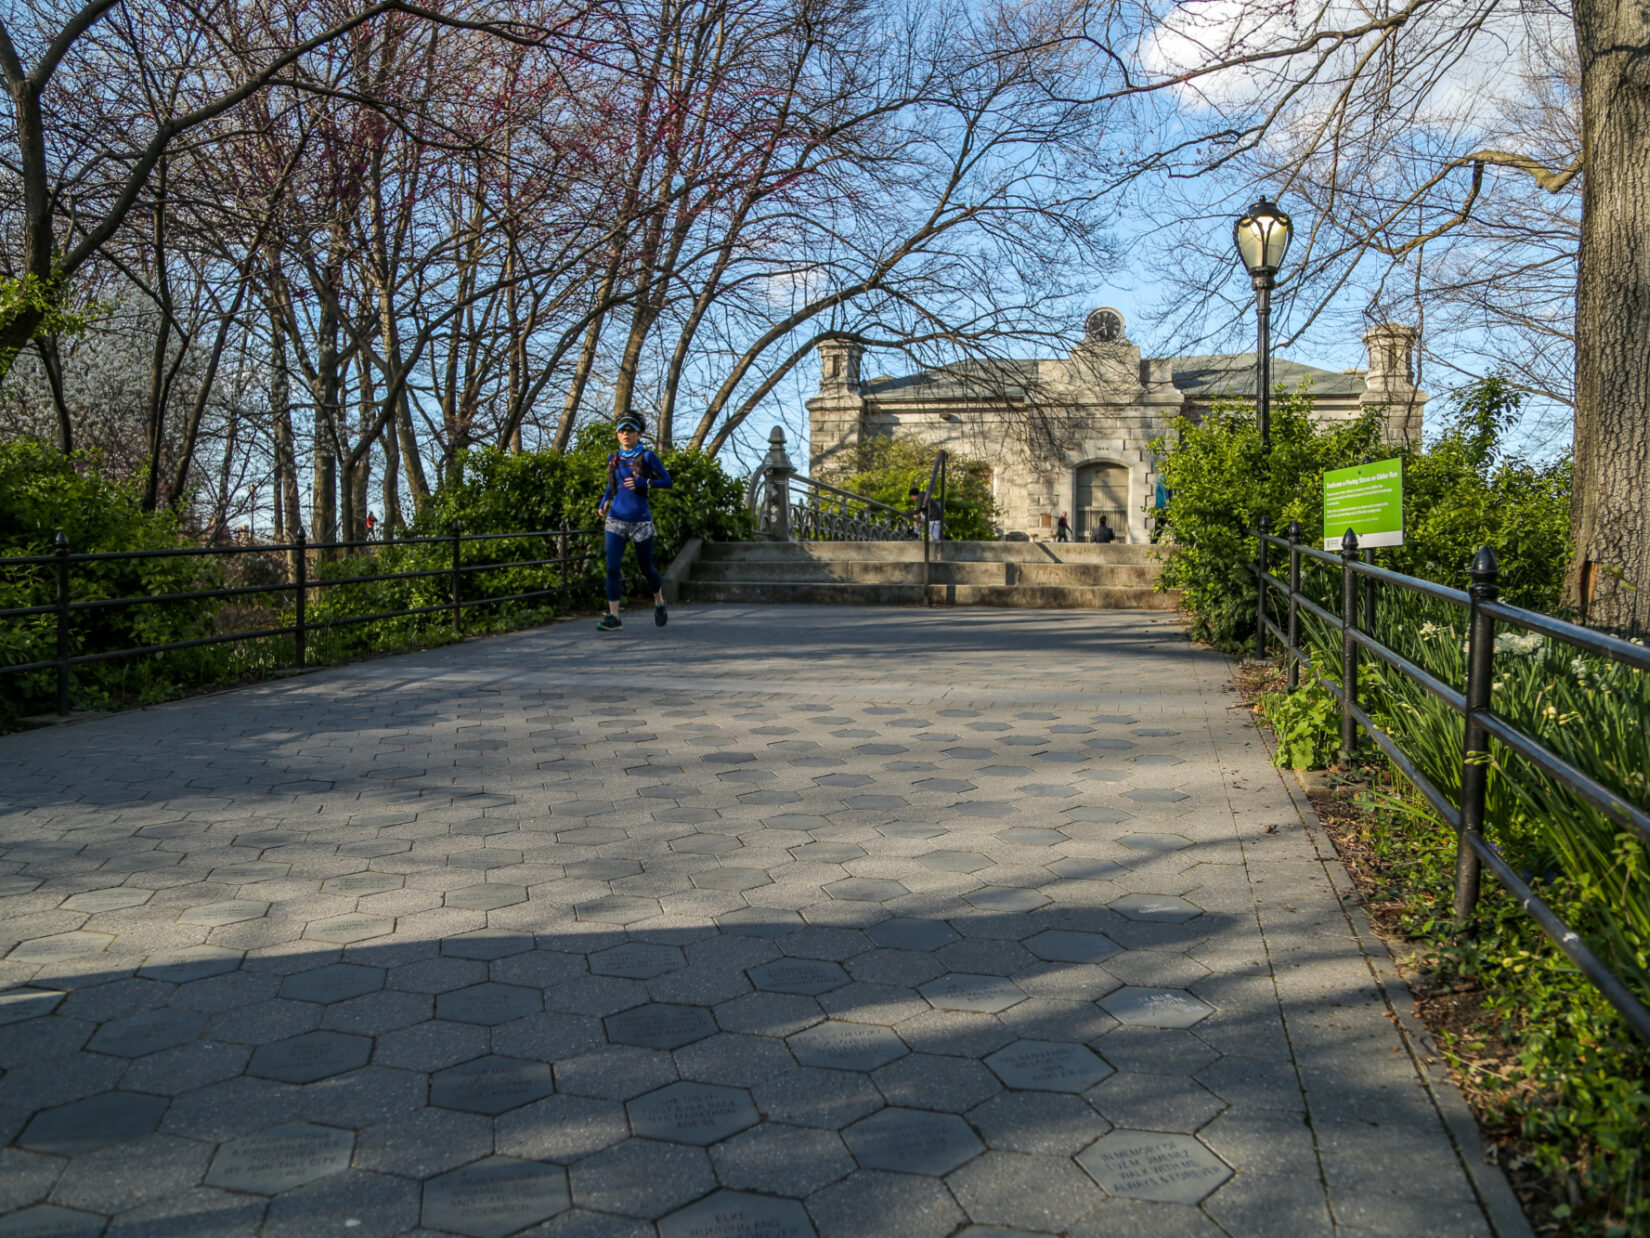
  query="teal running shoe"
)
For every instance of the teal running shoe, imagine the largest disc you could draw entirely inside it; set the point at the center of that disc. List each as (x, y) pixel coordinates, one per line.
(609, 623)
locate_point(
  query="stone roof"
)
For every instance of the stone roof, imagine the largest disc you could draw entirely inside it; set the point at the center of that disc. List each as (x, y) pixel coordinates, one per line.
(1233, 374)
(1006, 378)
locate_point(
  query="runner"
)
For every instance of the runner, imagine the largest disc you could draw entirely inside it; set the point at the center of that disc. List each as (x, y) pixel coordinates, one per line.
(631, 472)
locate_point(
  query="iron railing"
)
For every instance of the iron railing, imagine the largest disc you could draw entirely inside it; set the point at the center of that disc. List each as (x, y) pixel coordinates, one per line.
(1480, 722)
(300, 586)
(791, 507)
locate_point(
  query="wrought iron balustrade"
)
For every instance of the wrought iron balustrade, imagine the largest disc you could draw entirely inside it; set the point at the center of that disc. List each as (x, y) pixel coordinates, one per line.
(791, 507)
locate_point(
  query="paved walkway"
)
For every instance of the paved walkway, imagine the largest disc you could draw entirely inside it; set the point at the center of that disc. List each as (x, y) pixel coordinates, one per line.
(780, 921)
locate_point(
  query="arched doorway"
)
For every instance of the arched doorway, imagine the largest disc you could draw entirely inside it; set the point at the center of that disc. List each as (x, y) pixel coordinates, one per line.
(1102, 490)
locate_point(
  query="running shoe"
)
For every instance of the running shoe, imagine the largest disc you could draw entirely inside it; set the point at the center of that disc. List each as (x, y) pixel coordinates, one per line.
(660, 618)
(609, 623)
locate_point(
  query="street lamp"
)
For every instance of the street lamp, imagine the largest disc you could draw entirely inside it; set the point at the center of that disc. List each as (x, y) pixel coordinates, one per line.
(1262, 238)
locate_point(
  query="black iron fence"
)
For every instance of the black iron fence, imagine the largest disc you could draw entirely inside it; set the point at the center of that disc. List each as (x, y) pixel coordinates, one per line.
(57, 575)
(1360, 582)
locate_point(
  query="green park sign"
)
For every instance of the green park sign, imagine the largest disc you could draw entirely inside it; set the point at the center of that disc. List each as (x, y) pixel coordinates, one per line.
(1369, 500)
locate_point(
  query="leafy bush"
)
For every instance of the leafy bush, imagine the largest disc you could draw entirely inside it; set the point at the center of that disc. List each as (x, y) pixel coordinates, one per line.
(888, 469)
(1306, 723)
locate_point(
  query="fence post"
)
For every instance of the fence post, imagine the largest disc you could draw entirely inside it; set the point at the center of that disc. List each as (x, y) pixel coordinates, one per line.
(562, 539)
(1260, 587)
(1349, 647)
(1370, 585)
(1294, 608)
(458, 609)
(60, 547)
(776, 514)
(300, 586)
(1475, 744)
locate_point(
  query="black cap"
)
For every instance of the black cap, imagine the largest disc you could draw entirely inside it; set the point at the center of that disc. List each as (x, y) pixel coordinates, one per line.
(632, 421)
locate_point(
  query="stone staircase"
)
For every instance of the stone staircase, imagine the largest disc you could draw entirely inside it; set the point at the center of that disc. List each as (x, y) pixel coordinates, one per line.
(1071, 576)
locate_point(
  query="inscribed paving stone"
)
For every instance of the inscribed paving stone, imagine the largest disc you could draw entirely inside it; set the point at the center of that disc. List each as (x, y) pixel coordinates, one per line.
(277, 1160)
(1171, 1169)
(1048, 1066)
(488, 1004)
(908, 934)
(840, 1045)
(912, 1141)
(490, 1085)
(735, 1214)
(59, 947)
(697, 1113)
(495, 1197)
(337, 982)
(312, 1056)
(94, 901)
(1140, 1007)
(661, 1026)
(961, 991)
(147, 1032)
(1071, 946)
(50, 1221)
(1156, 908)
(807, 976)
(637, 960)
(362, 883)
(485, 896)
(20, 1004)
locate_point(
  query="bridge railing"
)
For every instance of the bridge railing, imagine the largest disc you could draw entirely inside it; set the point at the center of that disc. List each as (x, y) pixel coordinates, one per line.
(791, 507)
(1353, 627)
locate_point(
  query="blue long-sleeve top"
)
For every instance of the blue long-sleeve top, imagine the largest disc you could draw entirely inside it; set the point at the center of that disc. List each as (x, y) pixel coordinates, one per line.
(631, 505)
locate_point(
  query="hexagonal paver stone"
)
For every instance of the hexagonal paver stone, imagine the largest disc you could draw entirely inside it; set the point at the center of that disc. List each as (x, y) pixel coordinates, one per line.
(827, 853)
(312, 1056)
(50, 1221)
(865, 889)
(908, 934)
(617, 909)
(731, 879)
(1157, 758)
(484, 857)
(264, 839)
(1141, 1007)
(1155, 844)
(1171, 1169)
(637, 960)
(486, 944)
(117, 899)
(374, 848)
(736, 1214)
(984, 808)
(1048, 1066)
(1156, 795)
(951, 785)
(485, 896)
(361, 884)
(807, 976)
(955, 861)
(148, 1032)
(60, 946)
(1156, 731)
(698, 1113)
(1071, 946)
(1109, 745)
(488, 1004)
(1007, 898)
(189, 963)
(335, 983)
(1097, 814)
(601, 870)
(217, 915)
(279, 1159)
(844, 780)
(660, 1026)
(347, 929)
(796, 821)
(1082, 868)
(496, 1196)
(910, 1141)
(728, 758)
(92, 1123)
(1156, 908)
(839, 1045)
(490, 1085)
(961, 991)
(20, 1004)
(1029, 836)
(592, 835)
(910, 829)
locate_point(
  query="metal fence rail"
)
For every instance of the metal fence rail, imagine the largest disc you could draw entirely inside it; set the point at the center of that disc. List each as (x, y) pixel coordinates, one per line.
(791, 507)
(301, 587)
(1479, 720)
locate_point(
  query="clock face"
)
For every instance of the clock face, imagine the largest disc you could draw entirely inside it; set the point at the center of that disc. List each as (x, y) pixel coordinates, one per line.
(1105, 325)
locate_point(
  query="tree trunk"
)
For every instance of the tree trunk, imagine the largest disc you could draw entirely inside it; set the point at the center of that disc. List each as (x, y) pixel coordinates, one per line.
(1609, 575)
(288, 517)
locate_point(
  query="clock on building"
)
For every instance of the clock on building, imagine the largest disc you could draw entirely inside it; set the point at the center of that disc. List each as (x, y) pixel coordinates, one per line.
(1103, 326)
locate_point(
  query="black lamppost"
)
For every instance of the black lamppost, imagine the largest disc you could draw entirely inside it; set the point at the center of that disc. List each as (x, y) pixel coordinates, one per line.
(1262, 237)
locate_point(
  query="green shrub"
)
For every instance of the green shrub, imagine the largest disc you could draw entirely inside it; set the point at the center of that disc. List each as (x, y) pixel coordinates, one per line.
(1306, 723)
(888, 469)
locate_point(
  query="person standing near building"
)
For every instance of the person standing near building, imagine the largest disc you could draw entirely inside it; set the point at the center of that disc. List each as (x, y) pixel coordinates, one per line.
(1103, 532)
(632, 471)
(1062, 529)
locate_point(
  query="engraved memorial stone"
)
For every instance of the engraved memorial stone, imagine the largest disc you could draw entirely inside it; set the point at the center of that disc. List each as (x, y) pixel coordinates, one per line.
(312, 1056)
(1157, 908)
(1141, 1007)
(1048, 1066)
(488, 1004)
(696, 1113)
(94, 901)
(839, 1045)
(495, 1197)
(60, 946)
(490, 1085)
(913, 1142)
(661, 1026)
(961, 991)
(277, 1160)
(1170, 1169)
(735, 1214)
(637, 960)
(806, 976)
(359, 884)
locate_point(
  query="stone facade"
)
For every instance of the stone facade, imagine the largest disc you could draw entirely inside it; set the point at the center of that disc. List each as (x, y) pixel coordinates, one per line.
(1073, 434)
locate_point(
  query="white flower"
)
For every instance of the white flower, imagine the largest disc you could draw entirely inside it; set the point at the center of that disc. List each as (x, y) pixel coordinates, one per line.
(1521, 643)
(1578, 668)
(1429, 630)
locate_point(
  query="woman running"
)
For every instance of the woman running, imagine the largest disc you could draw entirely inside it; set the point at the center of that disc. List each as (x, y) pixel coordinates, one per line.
(631, 472)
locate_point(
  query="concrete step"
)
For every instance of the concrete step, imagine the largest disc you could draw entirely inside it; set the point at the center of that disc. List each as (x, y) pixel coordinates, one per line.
(838, 593)
(1137, 575)
(949, 552)
(814, 593)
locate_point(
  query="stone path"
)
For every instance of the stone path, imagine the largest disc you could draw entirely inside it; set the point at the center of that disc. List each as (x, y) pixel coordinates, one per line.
(780, 921)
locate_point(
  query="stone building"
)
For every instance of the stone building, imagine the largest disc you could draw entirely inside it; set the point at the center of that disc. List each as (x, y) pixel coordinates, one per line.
(1072, 434)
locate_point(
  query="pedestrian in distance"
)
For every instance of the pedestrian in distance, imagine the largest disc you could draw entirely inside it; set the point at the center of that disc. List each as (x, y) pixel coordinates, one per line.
(1103, 532)
(1062, 529)
(632, 472)
(372, 525)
